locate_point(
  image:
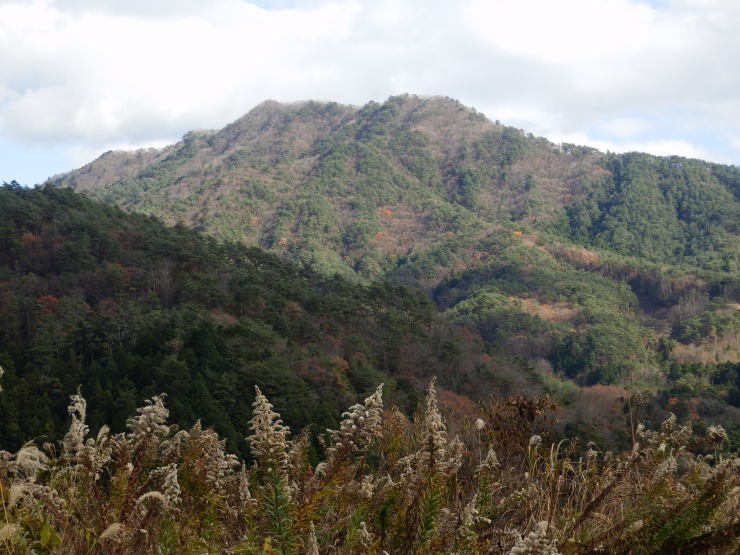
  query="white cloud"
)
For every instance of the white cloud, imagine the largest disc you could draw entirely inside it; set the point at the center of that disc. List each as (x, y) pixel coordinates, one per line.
(659, 147)
(626, 127)
(566, 32)
(91, 73)
(522, 115)
(135, 8)
(101, 76)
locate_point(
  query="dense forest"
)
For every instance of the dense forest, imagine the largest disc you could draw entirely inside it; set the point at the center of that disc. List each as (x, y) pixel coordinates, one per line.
(125, 308)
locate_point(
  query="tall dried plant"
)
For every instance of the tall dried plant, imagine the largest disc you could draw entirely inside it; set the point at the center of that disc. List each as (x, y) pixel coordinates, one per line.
(384, 485)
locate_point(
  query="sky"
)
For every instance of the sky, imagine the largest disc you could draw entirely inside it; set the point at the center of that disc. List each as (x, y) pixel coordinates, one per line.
(80, 77)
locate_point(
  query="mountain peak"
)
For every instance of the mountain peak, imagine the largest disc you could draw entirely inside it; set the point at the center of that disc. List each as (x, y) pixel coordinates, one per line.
(350, 187)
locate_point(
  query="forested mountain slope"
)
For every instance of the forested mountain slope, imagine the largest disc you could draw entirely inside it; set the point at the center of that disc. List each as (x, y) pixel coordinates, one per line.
(350, 189)
(345, 189)
(127, 308)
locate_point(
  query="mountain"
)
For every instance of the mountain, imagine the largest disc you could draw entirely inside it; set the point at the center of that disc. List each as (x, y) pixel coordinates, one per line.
(343, 188)
(603, 270)
(352, 189)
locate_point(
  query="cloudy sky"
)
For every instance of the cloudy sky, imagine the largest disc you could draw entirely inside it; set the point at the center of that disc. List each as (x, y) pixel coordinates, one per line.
(79, 77)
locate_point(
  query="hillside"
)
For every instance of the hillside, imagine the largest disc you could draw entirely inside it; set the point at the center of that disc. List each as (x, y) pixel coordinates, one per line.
(113, 311)
(125, 308)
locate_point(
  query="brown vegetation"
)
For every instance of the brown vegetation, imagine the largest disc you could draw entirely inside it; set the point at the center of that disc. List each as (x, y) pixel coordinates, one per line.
(385, 484)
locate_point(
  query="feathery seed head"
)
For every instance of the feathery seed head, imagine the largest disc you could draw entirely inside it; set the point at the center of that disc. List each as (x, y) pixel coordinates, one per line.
(313, 545)
(535, 543)
(73, 442)
(716, 434)
(112, 533)
(360, 426)
(366, 487)
(151, 419)
(490, 463)
(432, 418)
(366, 538)
(8, 532)
(268, 440)
(16, 492)
(29, 461)
(438, 454)
(171, 487)
(668, 466)
(669, 423)
(152, 496)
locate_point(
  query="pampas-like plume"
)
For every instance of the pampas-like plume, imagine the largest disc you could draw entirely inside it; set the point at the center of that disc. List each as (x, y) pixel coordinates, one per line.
(716, 434)
(438, 453)
(268, 440)
(366, 538)
(152, 495)
(9, 531)
(433, 425)
(54, 504)
(212, 461)
(171, 488)
(489, 464)
(112, 533)
(16, 492)
(313, 545)
(29, 461)
(536, 543)
(73, 440)
(362, 424)
(151, 419)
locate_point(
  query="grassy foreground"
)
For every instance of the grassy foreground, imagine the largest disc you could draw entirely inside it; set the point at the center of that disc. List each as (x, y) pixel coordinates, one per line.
(385, 483)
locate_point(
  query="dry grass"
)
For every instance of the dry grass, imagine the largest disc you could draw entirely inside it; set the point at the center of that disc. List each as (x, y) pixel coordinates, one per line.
(385, 484)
